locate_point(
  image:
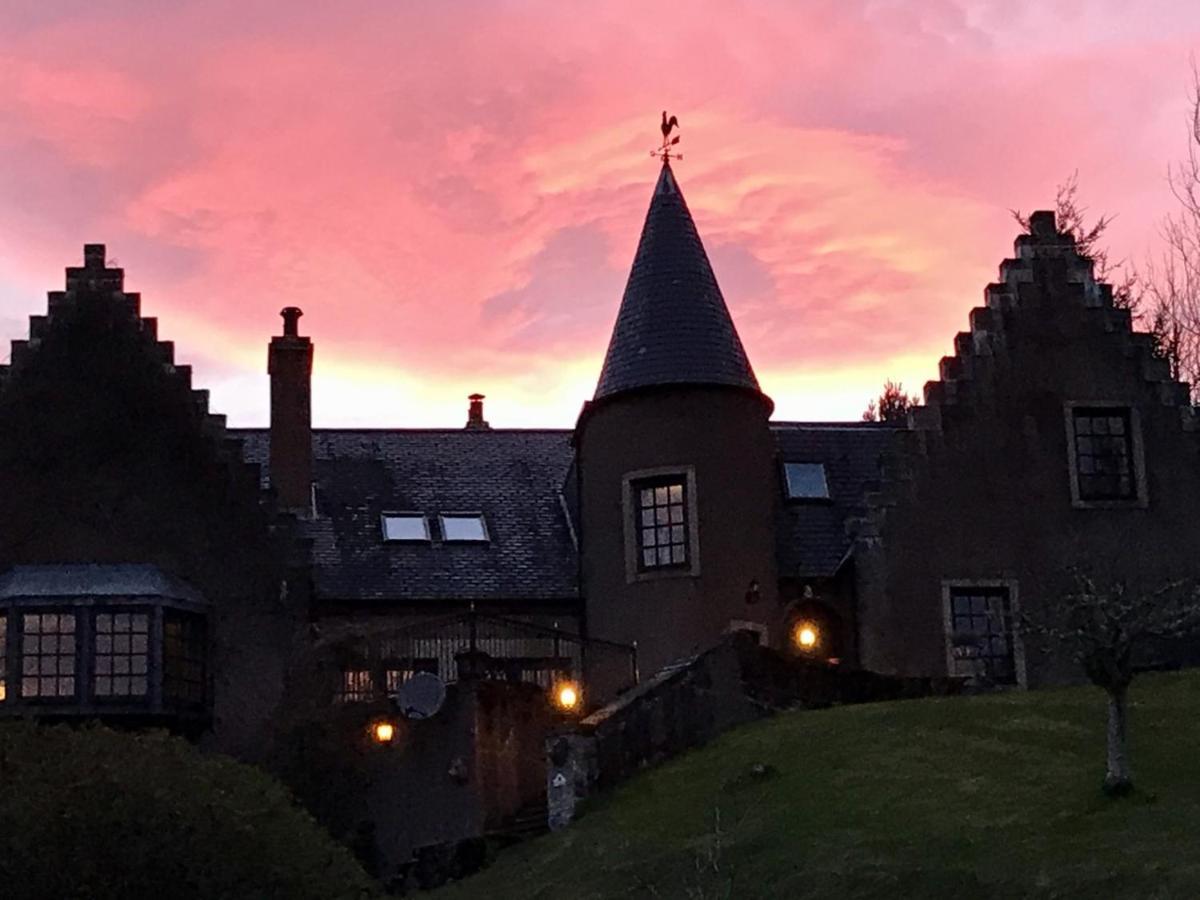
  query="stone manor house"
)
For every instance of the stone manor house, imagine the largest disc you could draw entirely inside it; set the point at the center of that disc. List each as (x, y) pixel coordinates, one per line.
(268, 591)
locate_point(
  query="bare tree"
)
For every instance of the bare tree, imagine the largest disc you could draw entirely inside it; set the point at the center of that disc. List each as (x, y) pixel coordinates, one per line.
(1172, 280)
(892, 406)
(1102, 627)
(1164, 298)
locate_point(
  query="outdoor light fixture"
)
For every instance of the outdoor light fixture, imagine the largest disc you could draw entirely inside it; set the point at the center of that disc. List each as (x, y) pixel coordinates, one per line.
(806, 636)
(566, 696)
(383, 732)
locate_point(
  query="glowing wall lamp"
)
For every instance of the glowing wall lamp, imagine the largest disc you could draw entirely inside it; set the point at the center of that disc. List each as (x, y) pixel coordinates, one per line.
(567, 696)
(383, 732)
(806, 636)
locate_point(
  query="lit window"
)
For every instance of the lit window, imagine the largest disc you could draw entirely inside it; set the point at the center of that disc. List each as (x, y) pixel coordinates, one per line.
(47, 655)
(183, 658)
(661, 522)
(1104, 454)
(464, 528)
(122, 654)
(981, 634)
(806, 481)
(3, 656)
(356, 686)
(394, 678)
(405, 527)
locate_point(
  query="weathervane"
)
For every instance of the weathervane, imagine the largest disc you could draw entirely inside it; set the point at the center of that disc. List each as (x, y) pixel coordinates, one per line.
(664, 152)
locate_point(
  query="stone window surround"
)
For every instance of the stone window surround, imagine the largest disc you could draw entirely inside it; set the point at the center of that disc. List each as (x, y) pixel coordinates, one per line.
(1014, 605)
(630, 509)
(1141, 498)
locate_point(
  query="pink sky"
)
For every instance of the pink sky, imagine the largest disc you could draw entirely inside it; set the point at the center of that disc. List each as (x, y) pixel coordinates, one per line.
(453, 191)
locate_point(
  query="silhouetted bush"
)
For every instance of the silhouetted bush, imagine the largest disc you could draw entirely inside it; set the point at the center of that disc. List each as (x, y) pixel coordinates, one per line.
(97, 813)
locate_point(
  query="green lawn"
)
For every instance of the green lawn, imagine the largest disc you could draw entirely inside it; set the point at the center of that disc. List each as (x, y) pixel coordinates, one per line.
(995, 796)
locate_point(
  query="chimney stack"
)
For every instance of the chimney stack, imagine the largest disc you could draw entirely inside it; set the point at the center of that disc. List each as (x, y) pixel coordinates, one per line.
(289, 363)
(475, 420)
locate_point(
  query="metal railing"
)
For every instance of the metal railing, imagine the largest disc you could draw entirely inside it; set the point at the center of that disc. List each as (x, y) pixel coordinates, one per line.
(477, 645)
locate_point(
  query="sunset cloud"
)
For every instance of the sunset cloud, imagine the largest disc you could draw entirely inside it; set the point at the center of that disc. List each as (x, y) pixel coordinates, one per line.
(453, 192)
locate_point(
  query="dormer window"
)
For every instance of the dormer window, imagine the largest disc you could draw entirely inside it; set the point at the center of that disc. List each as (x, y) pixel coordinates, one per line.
(405, 527)
(805, 481)
(464, 527)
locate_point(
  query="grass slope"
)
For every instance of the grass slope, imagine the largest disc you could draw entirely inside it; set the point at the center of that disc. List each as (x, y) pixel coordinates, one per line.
(995, 796)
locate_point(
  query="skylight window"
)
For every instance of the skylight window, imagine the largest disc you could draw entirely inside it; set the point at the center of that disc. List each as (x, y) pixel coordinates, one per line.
(806, 481)
(405, 527)
(464, 527)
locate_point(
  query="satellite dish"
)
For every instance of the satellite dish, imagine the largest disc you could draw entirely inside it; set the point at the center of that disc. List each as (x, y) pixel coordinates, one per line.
(421, 696)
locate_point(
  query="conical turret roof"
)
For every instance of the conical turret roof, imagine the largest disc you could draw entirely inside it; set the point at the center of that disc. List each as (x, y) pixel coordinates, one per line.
(673, 326)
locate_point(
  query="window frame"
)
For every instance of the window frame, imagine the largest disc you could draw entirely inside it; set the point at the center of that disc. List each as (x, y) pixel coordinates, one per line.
(805, 498)
(91, 672)
(952, 586)
(186, 618)
(79, 639)
(383, 527)
(631, 483)
(1140, 498)
(654, 485)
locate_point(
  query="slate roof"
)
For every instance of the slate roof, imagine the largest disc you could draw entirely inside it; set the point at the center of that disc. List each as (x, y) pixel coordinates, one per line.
(92, 579)
(811, 539)
(513, 477)
(673, 326)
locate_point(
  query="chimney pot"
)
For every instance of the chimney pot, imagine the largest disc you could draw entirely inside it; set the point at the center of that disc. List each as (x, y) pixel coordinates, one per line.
(475, 418)
(93, 256)
(291, 320)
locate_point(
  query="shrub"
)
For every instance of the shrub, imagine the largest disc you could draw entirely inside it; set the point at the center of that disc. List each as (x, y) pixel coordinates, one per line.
(92, 812)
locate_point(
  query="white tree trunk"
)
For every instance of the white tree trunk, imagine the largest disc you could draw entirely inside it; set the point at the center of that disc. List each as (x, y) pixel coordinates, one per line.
(1118, 778)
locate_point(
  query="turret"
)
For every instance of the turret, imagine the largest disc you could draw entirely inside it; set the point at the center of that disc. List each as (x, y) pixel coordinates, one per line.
(676, 465)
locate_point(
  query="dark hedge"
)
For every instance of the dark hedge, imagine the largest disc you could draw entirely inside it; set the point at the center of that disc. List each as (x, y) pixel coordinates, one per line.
(97, 813)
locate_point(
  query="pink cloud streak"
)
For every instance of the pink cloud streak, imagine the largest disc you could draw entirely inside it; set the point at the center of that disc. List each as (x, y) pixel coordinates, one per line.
(453, 193)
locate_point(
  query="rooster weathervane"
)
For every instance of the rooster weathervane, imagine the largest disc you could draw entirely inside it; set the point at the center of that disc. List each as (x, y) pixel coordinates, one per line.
(664, 152)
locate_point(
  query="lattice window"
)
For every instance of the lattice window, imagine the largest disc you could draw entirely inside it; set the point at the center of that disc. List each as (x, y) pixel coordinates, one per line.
(981, 633)
(662, 522)
(122, 655)
(1104, 454)
(183, 658)
(357, 686)
(47, 655)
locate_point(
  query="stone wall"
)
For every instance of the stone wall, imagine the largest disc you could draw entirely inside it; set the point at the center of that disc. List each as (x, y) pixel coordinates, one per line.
(981, 489)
